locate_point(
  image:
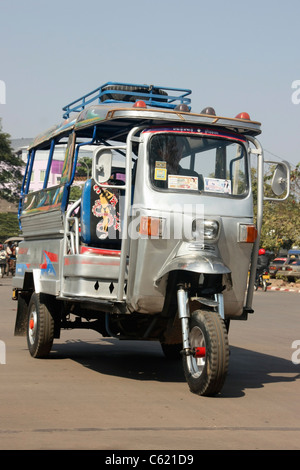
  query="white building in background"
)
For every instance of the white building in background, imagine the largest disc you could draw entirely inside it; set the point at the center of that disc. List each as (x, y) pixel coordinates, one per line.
(20, 147)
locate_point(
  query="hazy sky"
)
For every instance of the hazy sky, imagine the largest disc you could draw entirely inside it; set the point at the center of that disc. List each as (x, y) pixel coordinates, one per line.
(234, 55)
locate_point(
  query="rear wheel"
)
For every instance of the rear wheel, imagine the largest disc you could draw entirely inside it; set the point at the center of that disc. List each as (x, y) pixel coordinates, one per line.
(40, 327)
(206, 369)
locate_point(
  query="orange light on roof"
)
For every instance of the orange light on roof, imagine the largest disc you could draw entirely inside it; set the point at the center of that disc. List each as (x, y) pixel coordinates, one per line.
(139, 104)
(243, 116)
(247, 233)
(150, 226)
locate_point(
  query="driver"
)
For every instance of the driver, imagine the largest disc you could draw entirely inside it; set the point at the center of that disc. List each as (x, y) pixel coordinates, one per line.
(170, 149)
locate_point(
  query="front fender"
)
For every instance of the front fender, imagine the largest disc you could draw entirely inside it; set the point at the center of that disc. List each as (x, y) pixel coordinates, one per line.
(206, 264)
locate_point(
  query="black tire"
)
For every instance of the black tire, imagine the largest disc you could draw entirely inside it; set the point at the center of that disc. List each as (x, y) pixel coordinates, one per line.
(130, 89)
(40, 327)
(206, 376)
(172, 351)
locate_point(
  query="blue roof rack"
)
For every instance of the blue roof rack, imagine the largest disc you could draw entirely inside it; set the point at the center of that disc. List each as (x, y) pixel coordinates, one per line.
(114, 92)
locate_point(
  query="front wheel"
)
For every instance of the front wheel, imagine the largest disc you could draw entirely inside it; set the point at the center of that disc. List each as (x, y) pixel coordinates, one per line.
(206, 368)
(40, 327)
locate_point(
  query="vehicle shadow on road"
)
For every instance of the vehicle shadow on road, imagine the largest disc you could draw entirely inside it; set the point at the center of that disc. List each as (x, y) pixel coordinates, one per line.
(252, 370)
(136, 360)
(145, 361)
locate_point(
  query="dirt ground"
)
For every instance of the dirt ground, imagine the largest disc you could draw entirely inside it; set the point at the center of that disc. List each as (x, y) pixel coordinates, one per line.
(284, 284)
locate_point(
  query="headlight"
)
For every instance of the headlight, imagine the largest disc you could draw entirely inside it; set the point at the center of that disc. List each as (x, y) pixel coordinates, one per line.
(211, 229)
(205, 229)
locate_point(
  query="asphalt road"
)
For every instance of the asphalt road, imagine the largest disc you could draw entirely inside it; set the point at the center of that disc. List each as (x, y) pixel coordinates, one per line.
(96, 393)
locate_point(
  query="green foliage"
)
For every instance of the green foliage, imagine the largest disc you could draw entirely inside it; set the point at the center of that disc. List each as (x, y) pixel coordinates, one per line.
(10, 170)
(281, 224)
(281, 220)
(9, 226)
(84, 167)
(75, 193)
(83, 171)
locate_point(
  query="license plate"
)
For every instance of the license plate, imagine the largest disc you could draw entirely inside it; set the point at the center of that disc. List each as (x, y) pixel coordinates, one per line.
(266, 276)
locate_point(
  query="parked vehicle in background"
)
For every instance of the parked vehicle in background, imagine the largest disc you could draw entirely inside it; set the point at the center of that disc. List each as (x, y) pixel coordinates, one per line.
(293, 254)
(291, 270)
(275, 265)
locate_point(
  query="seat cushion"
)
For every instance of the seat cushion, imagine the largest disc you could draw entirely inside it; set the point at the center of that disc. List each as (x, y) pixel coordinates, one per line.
(100, 218)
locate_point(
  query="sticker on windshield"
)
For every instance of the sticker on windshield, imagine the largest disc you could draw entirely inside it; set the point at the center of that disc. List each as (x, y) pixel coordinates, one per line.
(160, 174)
(160, 171)
(216, 185)
(182, 182)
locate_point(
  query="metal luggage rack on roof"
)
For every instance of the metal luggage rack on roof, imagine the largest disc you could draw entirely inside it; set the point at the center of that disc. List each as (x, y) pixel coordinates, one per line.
(114, 92)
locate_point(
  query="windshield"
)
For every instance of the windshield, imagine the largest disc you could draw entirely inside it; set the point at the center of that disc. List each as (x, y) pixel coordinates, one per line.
(198, 163)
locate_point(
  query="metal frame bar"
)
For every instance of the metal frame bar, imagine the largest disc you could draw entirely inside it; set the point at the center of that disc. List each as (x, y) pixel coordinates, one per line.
(22, 192)
(50, 158)
(148, 96)
(184, 316)
(260, 201)
(32, 156)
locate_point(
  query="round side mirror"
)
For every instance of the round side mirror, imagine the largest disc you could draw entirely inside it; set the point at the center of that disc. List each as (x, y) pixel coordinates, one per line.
(279, 180)
(102, 163)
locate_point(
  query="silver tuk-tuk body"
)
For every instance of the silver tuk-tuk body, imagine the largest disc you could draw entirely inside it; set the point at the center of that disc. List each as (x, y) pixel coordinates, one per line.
(159, 248)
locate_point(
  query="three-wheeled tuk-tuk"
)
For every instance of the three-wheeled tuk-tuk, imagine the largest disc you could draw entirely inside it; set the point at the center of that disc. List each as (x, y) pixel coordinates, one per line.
(158, 245)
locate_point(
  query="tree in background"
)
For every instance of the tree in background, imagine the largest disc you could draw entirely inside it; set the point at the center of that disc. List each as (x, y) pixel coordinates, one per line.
(83, 172)
(281, 221)
(84, 167)
(10, 170)
(9, 226)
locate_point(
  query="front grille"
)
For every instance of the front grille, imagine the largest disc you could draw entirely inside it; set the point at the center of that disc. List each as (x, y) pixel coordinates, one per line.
(201, 247)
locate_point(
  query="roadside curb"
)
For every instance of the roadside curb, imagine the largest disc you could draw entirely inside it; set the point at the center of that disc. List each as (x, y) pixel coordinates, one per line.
(284, 289)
